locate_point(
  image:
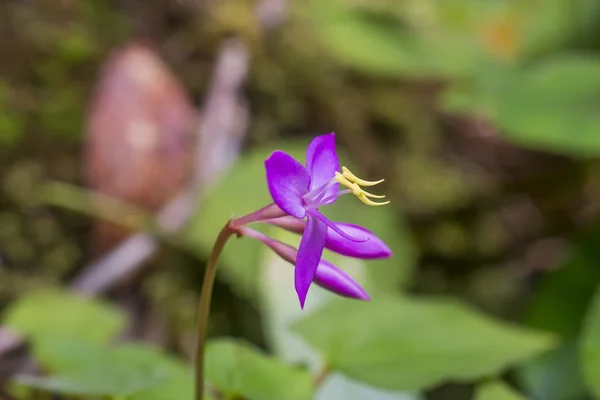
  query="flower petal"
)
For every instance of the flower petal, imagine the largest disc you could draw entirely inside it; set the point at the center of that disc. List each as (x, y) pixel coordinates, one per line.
(309, 256)
(371, 249)
(287, 180)
(330, 277)
(322, 163)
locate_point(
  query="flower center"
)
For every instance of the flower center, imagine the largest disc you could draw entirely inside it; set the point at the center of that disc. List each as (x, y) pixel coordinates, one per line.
(354, 183)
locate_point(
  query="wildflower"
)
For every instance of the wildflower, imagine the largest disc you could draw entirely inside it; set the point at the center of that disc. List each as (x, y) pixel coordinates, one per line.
(298, 192)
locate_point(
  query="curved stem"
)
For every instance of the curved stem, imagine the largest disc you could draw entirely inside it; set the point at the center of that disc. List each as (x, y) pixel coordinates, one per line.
(204, 305)
(322, 375)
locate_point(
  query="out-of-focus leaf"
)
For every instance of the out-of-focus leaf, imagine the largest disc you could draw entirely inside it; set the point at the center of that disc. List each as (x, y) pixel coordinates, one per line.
(178, 384)
(86, 369)
(237, 369)
(338, 387)
(12, 125)
(554, 106)
(557, 375)
(590, 346)
(546, 26)
(481, 93)
(403, 344)
(54, 313)
(381, 46)
(497, 391)
(414, 38)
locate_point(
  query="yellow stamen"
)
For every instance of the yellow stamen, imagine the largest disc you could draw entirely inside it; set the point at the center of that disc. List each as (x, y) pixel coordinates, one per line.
(370, 202)
(353, 178)
(354, 183)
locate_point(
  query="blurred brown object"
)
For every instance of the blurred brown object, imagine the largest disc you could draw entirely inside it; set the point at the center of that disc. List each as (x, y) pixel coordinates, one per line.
(139, 144)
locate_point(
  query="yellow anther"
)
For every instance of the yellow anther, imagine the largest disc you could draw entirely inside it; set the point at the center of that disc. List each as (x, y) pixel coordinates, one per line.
(352, 182)
(353, 178)
(374, 196)
(370, 202)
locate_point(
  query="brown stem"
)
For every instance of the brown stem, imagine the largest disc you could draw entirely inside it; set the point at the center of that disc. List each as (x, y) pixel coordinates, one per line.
(322, 375)
(204, 305)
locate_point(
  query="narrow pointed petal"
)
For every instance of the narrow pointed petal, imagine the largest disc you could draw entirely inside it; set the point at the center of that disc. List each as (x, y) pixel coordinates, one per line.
(287, 180)
(371, 249)
(322, 163)
(328, 276)
(332, 278)
(309, 256)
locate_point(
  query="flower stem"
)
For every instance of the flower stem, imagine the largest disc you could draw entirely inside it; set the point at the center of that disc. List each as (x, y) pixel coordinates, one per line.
(322, 375)
(204, 305)
(233, 227)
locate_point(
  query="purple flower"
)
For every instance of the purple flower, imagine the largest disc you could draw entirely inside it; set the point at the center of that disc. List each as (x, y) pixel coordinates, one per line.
(299, 192)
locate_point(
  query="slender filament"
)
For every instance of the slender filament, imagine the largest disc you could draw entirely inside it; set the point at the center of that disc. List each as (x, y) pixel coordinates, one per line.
(354, 183)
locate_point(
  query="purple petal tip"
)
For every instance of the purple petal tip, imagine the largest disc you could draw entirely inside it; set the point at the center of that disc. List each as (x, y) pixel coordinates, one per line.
(301, 298)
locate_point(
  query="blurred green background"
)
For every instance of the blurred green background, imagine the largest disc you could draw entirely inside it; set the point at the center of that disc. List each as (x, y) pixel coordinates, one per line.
(483, 116)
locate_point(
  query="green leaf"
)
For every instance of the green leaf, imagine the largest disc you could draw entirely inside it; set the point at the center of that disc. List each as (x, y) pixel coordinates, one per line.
(237, 369)
(81, 368)
(557, 374)
(390, 40)
(404, 344)
(590, 346)
(42, 314)
(338, 387)
(358, 39)
(554, 106)
(497, 391)
(178, 384)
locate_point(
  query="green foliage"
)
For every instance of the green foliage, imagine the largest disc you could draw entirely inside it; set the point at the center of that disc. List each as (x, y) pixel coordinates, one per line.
(414, 344)
(11, 121)
(390, 39)
(70, 335)
(40, 315)
(237, 369)
(557, 374)
(496, 391)
(550, 105)
(139, 372)
(590, 346)
(81, 368)
(554, 106)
